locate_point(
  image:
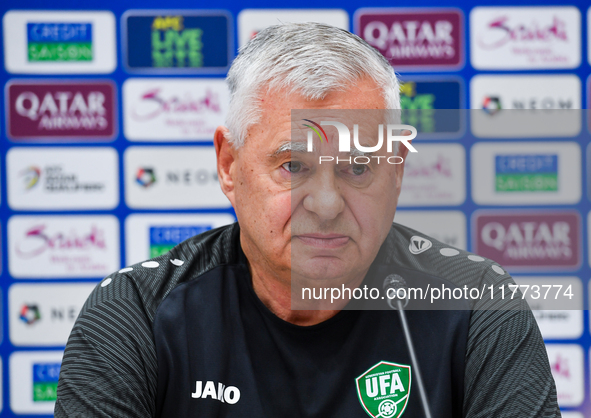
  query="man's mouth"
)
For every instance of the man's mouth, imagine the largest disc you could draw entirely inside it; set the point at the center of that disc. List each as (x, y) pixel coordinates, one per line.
(326, 241)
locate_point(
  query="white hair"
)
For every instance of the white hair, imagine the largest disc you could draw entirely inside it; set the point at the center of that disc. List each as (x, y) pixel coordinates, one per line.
(309, 59)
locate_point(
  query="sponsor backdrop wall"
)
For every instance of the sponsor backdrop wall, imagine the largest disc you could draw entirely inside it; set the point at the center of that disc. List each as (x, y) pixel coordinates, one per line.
(106, 154)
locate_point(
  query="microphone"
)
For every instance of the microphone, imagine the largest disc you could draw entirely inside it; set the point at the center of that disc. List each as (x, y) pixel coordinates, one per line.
(393, 284)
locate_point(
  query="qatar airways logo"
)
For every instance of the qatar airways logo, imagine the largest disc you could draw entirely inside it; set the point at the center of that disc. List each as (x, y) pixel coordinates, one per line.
(61, 246)
(360, 154)
(530, 240)
(61, 110)
(412, 38)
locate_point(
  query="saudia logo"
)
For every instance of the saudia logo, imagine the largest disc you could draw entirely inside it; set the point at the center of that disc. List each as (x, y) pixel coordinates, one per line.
(500, 32)
(223, 393)
(345, 142)
(152, 105)
(560, 367)
(383, 390)
(37, 241)
(438, 168)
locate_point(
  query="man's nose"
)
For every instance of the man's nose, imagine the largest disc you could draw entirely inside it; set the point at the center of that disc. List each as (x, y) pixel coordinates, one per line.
(324, 198)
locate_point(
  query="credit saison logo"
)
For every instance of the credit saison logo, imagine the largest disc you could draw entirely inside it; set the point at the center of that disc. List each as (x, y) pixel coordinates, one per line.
(165, 238)
(345, 142)
(59, 41)
(45, 378)
(526, 173)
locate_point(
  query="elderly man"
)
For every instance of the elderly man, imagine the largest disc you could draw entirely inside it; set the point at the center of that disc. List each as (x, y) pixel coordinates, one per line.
(210, 330)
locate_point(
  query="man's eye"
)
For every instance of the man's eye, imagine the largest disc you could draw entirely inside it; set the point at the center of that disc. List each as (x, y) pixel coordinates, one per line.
(293, 166)
(358, 169)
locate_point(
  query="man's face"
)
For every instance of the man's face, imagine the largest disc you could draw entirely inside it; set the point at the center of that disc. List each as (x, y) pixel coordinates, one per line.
(319, 222)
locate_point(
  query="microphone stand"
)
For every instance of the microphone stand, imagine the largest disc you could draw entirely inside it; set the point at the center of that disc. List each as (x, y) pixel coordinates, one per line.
(413, 358)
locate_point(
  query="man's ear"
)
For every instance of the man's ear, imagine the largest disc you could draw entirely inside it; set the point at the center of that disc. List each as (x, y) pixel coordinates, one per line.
(226, 158)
